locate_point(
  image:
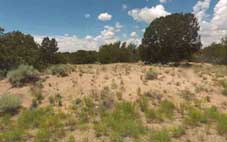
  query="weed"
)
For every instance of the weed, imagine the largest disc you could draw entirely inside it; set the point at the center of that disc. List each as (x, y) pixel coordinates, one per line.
(12, 135)
(151, 75)
(56, 100)
(195, 117)
(166, 109)
(221, 124)
(143, 103)
(119, 95)
(177, 132)
(187, 95)
(122, 122)
(71, 139)
(160, 136)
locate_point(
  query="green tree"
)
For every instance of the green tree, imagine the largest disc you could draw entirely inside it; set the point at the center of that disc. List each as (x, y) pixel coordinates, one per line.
(17, 48)
(215, 53)
(82, 57)
(1, 31)
(170, 39)
(48, 51)
(118, 52)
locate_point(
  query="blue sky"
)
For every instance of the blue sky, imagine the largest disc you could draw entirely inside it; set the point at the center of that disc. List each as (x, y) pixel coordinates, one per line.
(62, 18)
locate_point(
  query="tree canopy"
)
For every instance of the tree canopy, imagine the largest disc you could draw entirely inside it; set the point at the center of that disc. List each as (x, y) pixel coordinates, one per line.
(170, 39)
(118, 52)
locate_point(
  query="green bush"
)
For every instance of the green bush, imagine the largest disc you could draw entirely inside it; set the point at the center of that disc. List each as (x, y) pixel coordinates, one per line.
(178, 131)
(224, 85)
(195, 117)
(143, 103)
(12, 135)
(160, 136)
(153, 115)
(122, 122)
(9, 103)
(2, 74)
(22, 75)
(151, 75)
(34, 118)
(167, 109)
(71, 139)
(60, 70)
(221, 124)
(212, 113)
(43, 135)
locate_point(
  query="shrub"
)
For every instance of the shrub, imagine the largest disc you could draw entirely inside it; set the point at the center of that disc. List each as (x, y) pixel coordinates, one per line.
(151, 75)
(2, 74)
(153, 115)
(9, 103)
(195, 117)
(143, 103)
(22, 75)
(160, 136)
(178, 132)
(71, 139)
(37, 96)
(212, 113)
(122, 122)
(43, 135)
(166, 108)
(55, 100)
(85, 109)
(221, 125)
(224, 92)
(12, 135)
(224, 85)
(60, 70)
(34, 118)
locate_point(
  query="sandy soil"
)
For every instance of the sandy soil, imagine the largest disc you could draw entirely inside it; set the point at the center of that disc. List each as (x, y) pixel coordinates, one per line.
(202, 80)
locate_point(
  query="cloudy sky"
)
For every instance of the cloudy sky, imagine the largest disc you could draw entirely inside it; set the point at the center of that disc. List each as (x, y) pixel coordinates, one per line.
(87, 24)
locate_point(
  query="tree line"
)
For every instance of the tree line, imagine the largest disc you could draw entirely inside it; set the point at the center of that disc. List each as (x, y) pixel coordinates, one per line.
(167, 39)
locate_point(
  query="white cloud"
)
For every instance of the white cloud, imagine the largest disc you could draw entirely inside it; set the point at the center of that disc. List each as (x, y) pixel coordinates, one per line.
(104, 16)
(69, 43)
(163, 1)
(148, 14)
(124, 6)
(134, 39)
(215, 27)
(133, 34)
(200, 9)
(72, 43)
(118, 25)
(87, 16)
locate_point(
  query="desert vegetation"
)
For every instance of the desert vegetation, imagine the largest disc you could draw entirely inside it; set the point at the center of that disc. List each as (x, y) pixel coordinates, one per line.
(169, 91)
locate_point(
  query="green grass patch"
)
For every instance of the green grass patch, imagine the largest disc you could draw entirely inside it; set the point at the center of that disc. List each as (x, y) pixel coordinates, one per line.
(123, 121)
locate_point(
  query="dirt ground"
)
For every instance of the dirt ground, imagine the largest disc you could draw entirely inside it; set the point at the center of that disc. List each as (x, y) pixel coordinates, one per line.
(201, 80)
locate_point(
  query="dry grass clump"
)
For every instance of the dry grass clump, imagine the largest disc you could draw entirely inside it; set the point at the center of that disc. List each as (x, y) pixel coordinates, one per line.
(224, 85)
(60, 70)
(151, 75)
